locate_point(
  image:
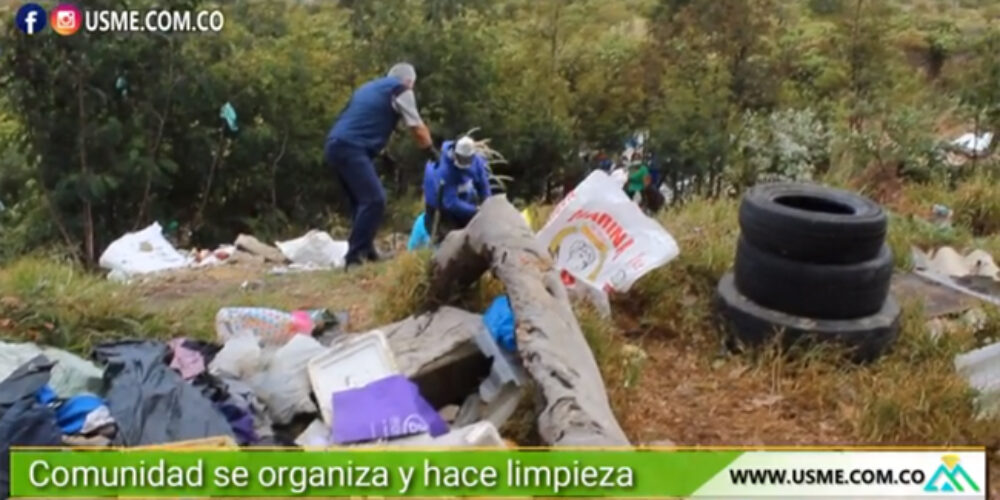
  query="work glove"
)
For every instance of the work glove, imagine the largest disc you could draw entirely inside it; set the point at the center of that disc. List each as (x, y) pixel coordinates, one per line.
(433, 154)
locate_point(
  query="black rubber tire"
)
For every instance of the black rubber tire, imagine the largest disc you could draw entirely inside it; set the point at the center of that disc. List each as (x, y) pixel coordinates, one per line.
(752, 325)
(822, 291)
(811, 223)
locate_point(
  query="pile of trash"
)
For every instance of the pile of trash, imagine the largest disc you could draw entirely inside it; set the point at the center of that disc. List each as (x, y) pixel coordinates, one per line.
(148, 251)
(271, 378)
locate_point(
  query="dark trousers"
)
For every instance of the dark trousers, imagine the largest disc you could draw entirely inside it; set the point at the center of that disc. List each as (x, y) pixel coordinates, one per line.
(356, 172)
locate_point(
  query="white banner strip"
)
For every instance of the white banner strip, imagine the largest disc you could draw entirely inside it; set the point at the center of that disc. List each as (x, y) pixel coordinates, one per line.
(852, 474)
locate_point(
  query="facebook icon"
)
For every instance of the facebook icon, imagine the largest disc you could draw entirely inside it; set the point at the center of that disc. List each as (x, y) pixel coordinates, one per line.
(31, 18)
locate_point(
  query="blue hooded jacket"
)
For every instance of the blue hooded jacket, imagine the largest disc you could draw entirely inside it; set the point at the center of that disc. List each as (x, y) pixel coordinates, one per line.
(459, 187)
(369, 118)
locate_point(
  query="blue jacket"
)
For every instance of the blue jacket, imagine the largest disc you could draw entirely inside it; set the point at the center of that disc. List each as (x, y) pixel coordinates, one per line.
(369, 118)
(461, 189)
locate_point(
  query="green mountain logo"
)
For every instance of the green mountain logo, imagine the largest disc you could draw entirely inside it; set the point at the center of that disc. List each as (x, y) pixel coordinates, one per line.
(949, 477)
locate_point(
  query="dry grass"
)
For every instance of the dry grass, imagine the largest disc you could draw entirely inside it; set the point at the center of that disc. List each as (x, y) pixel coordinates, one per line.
(977, 205)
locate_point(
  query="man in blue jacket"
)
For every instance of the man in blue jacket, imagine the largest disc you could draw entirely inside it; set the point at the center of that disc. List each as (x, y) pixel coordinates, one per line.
(360, 133)
(454, 188)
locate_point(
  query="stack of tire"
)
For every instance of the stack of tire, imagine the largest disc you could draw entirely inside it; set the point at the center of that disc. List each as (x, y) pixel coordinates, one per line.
(811, 265)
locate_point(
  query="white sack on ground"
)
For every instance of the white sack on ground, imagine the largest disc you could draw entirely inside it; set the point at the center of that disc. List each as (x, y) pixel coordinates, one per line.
(142, 252)
(316, 248)
(974, 145)
(600, 236)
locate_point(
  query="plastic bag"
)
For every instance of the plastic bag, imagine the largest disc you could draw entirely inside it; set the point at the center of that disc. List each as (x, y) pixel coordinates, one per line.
(268, 326)
(238, 358)
(384, 409)
(499, 320)
(599, 236)
(143, 252)
(283, 385)
(418, 235)
(316, 248)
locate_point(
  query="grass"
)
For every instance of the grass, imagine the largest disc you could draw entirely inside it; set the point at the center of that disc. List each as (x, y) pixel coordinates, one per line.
(660, 353)
(978, 205)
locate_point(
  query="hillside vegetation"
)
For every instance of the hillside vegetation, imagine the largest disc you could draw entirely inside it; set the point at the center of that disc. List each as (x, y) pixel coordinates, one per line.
(105, 133)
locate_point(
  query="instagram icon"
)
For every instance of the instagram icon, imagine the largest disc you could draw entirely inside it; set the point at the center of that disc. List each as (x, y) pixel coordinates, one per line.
(66, 19)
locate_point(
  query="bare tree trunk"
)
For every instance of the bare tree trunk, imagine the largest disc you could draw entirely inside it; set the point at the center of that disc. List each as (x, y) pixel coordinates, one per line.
(575, 410)
(57, 219)
(155, 149)
(274, 171)
(855, 121)
(87, 214)
(207, 191)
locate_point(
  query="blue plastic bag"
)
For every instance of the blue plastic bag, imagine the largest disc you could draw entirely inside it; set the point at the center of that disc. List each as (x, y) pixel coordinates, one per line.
(499, 320)
(418, 236)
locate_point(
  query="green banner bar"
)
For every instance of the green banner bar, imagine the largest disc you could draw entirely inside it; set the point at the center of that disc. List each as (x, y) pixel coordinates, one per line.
(248, 473)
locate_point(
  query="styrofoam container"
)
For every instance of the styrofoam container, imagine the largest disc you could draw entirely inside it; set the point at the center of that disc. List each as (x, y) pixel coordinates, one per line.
(353, 362)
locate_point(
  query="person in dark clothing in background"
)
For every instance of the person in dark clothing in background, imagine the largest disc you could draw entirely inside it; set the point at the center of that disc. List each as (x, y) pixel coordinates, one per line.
(360, 133)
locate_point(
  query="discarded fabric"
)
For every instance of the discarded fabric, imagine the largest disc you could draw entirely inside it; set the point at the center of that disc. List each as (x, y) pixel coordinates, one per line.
(83, 414)
(149, 401)
(187, 362)
(236, 402)
(70, 376)
(24, 421)
(499, 320)
(384, 409)
(598, 235)
(142, 252)
(268, 326)
(315, 248)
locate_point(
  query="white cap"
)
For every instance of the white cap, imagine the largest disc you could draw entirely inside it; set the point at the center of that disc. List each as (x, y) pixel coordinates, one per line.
(463, 152)
(465, 146)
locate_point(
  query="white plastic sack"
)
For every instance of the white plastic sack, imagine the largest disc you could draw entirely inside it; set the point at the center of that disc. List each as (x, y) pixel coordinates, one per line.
(283, 385)
(239, 357)
(142, 252)
(973, 144)
(620, 177)
(599, 236)
(316, 248)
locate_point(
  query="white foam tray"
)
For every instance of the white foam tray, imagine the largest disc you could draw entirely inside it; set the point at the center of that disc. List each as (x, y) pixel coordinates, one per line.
(353, 362)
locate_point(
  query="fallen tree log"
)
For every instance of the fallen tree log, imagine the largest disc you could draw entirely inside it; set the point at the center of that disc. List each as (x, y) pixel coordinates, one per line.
(575, 409)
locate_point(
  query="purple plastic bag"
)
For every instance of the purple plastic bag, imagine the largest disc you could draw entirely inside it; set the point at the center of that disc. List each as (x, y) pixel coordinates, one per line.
(384, 409)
